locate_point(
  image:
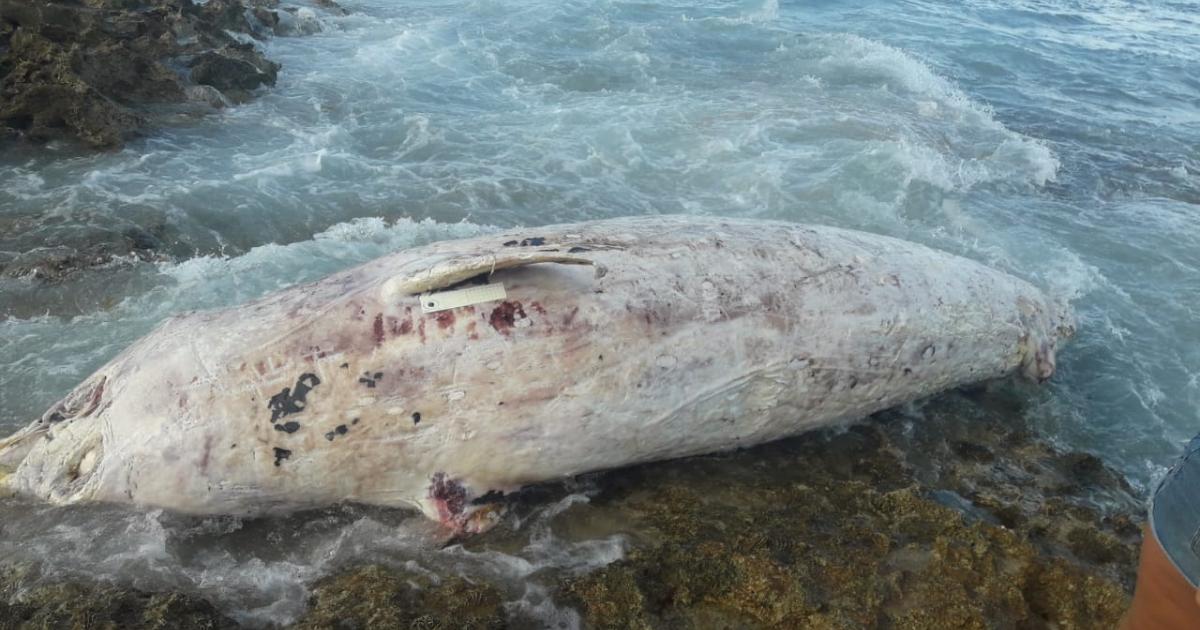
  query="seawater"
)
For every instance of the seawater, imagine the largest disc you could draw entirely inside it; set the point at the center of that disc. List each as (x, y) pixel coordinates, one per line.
(1054, 139)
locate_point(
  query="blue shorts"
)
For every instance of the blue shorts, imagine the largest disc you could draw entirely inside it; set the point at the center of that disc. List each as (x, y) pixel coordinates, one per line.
(1175, 513)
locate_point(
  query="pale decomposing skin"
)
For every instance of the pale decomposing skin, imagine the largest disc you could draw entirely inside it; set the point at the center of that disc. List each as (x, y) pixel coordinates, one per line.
(620, 341)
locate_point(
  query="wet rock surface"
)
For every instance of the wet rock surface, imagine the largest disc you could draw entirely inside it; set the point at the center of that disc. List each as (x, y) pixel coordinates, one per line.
(949, 516)
(53, 264)
(992, 528)
(109, 255)
(95, 73)
(86, 606)
(89, 70)
(233, 70)
(377, 597)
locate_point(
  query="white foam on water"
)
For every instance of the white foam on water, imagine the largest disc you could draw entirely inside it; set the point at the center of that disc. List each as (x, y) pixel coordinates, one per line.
(261, 572)
(768, 11)
(984, 149)
(24, 184)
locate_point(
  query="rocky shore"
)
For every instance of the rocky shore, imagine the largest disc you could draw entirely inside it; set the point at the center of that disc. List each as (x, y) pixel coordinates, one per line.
(99, 71)
(962, 519)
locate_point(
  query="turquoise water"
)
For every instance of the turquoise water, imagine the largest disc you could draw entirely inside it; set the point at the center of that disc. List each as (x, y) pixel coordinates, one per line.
(1057, 140)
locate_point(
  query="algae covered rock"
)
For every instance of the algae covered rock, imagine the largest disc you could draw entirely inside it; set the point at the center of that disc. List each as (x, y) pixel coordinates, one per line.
(41, 95)
(73, 605)
(849, 530)
(233, 69)
(851, 557)
(89, 69)
(376, 597)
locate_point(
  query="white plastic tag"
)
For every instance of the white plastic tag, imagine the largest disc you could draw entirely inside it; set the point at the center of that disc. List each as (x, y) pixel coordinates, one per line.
(458, 298)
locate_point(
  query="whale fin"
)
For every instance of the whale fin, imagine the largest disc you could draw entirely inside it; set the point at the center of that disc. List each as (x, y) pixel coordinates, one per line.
(449, 272)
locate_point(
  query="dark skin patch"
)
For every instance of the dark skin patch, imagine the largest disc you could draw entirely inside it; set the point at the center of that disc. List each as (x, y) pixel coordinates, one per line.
(445, 319)
(505, 315)
(534, 241)
(405, 327)
(416, 417)
(288, 427)
(578, 250)
(488, 497)
(292, 400)
(538, 308)
(281, 404)
(344, 365)
(281, 454)
(340, 430)
(377, 329)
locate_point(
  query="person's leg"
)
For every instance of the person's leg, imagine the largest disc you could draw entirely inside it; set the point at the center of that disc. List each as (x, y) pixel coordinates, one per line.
(1169, 568)
(1175, 513)
(1164, 599)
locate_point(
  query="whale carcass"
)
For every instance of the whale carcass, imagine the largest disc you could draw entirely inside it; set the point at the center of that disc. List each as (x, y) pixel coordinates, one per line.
(551, 352)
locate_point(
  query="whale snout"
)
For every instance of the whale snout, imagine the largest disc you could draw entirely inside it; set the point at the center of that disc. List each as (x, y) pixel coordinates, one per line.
(59, 465)
(56, 456)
